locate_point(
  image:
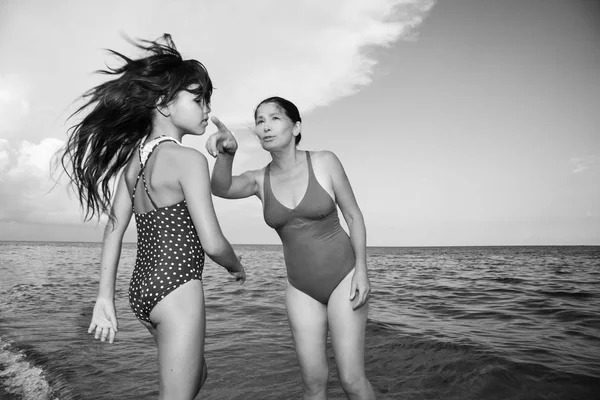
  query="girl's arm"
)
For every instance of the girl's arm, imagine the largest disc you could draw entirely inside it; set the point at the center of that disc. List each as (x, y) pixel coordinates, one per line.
(113, 239)
(358, 235)
(195, 182)
(104, 319)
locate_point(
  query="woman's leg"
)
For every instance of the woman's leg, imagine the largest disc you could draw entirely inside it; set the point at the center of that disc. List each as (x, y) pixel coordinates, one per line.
(347, 328)
(180, 328)
(308, 323)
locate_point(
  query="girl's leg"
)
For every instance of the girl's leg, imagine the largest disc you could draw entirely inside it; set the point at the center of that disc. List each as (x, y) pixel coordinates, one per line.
(180, 323)
(308, 323)
(150, 328)
(347, 328)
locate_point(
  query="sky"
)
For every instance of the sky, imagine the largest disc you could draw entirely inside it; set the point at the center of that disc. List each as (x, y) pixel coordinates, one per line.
(458, 122)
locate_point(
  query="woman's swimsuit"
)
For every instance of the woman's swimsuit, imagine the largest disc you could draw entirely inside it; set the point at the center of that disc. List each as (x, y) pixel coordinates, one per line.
(169, 252)
(317, 251)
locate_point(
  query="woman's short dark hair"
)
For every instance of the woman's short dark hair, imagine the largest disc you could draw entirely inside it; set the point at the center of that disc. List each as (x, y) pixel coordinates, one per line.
(289, 108)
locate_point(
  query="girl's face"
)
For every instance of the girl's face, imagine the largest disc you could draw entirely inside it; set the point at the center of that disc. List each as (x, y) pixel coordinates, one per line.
(274, 128)
(189, 114)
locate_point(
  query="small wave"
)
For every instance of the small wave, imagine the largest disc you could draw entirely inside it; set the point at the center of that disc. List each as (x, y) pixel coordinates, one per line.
(568, 294)
(508, 280)
(19, 377)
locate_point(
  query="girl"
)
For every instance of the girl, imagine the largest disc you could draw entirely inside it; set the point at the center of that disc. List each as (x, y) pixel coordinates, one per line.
(135, 128)
(299, 191)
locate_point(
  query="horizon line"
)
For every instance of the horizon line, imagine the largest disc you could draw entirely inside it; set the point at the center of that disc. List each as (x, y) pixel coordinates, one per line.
(368, 246)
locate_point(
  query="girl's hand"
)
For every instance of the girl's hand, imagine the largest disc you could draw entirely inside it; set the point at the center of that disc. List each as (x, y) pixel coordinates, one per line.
(360, 283)
(240, 276)
(222, 141)
(104, 320)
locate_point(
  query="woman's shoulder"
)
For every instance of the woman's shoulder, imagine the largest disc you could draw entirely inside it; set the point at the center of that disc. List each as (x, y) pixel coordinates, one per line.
(325, 158)
(256, 174)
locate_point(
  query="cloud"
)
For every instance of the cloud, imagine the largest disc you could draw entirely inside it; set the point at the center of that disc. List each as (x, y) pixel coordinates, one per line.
(14, 106)
(28, 193)
(313, 52)
(584, 163)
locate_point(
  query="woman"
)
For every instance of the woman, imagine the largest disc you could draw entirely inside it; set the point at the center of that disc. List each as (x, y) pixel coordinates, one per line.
(328, 284)
(135, 129)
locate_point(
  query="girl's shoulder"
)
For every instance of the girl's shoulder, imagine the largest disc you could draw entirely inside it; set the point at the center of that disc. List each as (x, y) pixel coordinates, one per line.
(132, 168)
(180, 154)
(178, 160)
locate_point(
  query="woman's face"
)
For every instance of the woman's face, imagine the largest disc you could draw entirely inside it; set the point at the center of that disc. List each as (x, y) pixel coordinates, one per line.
(273, 127)
(189, 114)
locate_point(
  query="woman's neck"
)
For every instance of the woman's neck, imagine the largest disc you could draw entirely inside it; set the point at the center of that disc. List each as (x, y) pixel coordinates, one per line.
(286, 159)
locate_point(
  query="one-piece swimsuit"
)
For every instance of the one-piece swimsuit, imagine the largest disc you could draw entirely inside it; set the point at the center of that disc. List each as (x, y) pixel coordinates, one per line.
(169, 252)
(317, 251)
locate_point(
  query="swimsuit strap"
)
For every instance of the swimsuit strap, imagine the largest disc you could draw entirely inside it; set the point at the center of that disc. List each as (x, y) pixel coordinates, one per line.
(144, 157)
(133, 192)
(267, 181)
(311, 172)
(268, 192)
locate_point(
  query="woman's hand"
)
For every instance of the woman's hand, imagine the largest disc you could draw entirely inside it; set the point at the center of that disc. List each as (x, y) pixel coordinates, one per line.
(104, 320)
(360, 283)
(222, 141)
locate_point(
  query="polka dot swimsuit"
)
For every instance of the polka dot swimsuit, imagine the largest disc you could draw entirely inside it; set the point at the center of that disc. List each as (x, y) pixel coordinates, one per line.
(169, 252)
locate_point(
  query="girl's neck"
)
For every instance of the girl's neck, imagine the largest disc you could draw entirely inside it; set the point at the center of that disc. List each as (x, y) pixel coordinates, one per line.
(156, 134)
(161, 127)
(155, 138)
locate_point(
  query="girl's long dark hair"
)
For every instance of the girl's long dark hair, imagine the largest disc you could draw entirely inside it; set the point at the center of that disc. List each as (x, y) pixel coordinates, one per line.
(123, 108)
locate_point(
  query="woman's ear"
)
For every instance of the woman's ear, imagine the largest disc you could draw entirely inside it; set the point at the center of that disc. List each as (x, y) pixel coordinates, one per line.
(297, 128)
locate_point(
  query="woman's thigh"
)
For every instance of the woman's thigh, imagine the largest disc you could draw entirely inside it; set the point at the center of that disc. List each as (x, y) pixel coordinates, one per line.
(347, 327)
(308, 322)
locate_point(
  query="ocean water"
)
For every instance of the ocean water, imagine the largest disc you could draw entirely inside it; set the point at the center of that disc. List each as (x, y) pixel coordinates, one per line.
(445, 323)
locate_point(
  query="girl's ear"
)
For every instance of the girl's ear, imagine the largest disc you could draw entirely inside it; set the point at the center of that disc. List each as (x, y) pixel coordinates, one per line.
(163, 111)
(161, 108)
